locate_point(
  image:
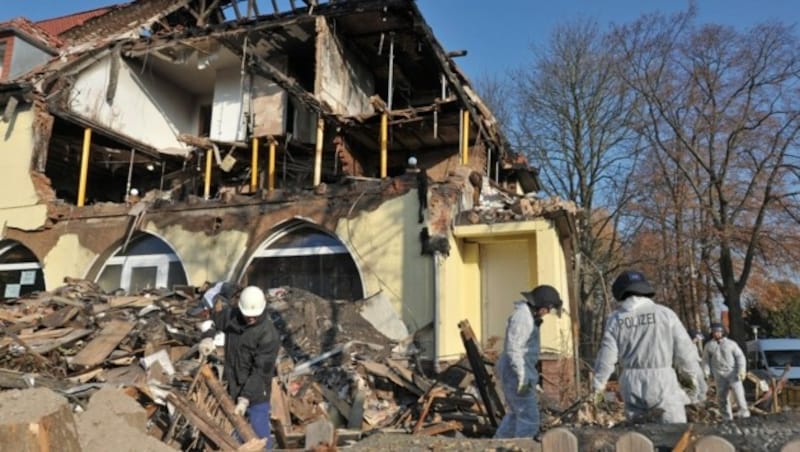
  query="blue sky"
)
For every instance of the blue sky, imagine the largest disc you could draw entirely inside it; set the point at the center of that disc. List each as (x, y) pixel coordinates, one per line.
(498, 34)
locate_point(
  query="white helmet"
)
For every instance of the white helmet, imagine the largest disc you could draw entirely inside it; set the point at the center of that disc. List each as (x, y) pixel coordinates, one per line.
(252, 301)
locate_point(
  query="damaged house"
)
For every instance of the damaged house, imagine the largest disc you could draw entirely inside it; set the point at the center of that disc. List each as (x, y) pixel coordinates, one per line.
(332, 146)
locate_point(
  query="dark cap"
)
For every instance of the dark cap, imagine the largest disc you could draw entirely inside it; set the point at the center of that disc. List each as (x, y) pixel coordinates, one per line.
(543, 296)
(631, 283)
(716, 326)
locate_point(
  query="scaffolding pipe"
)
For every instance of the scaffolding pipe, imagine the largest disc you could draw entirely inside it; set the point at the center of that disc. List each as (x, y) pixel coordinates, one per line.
(130, 176)
(254, 167)
(318, 154)
(465, 138)
(87, 144)
(384, 143)
(390, 90)
(271, 165)
(207, 181)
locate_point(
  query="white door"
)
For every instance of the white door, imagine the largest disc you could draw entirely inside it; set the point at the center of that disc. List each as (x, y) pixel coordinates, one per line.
(505, 273)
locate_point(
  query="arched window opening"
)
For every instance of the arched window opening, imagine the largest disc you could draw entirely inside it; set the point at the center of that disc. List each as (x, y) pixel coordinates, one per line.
(147, 263)
(306, 257)
(20, 271)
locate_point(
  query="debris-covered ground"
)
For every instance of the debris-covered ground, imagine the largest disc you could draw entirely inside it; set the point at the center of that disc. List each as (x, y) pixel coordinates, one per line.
(80, 363)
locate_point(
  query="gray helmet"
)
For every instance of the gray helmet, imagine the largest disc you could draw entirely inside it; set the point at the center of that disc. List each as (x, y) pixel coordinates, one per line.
(543, 296)
(716, 326)
(631, 283)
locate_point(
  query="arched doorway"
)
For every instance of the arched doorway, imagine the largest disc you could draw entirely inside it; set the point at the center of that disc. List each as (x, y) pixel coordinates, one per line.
(303, 255)
(148, 262)
(20, 271)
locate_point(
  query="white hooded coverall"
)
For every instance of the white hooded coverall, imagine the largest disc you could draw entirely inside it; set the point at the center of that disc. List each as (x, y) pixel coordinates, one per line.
(517, 364)
(727, 362)
(648, 339)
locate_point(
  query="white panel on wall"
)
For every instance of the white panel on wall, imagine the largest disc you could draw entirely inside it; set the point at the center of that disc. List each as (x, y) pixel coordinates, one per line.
(228, 113)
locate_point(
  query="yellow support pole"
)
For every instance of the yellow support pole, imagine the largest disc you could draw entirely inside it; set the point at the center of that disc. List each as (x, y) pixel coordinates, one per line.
(465, 138)
(87, 144)
(384, 143)
(207, 182)
(271, 167)
(318, 155)
(254, 167)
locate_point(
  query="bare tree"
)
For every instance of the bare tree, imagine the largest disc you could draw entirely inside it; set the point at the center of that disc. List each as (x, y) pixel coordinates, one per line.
(572, 120)
(724, 108)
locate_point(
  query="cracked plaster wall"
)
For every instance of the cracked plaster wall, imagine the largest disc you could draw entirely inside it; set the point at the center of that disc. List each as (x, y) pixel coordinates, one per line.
(385, 245)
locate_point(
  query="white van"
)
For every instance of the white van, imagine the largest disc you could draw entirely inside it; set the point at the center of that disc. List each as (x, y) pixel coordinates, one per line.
(773, 355)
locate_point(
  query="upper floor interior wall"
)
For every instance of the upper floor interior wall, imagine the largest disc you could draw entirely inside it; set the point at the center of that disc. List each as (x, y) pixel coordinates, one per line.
(132, 100)
(341, 80)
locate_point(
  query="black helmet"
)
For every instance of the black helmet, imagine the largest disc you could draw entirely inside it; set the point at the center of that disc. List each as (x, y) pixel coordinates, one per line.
(543, 296)
(716, 326)
(631, 283)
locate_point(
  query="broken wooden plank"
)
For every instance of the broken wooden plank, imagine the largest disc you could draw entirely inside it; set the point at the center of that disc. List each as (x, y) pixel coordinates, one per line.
(442, 427)
(36, 337)
(11, 379)
(96, 351)
(58, 318)
(57, 299)
(483, 380)
(201, 420)
(382, 370)
(683, 441)
(355, 419)
(411, 377)
(227, 405)
(56, 343)
(333, 399)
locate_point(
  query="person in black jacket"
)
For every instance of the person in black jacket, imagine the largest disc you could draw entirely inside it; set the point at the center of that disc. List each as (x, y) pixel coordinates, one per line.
(251, 347)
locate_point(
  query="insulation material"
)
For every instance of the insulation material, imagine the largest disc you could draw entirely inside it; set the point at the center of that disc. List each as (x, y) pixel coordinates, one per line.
(341, 82)
(269, 108)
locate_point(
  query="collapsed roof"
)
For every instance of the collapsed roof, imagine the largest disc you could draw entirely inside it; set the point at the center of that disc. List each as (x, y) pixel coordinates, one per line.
(160, 82)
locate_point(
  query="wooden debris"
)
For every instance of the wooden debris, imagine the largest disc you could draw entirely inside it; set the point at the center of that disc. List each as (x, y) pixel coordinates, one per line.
(103, 344)
(202, 421)
(483, 379)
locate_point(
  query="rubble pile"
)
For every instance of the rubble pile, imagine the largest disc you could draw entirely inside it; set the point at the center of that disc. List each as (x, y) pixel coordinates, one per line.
(335, 366)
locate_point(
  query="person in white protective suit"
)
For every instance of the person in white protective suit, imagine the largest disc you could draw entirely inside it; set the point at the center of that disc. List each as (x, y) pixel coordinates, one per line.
(647, 339)
(516, 366)
(727, 363)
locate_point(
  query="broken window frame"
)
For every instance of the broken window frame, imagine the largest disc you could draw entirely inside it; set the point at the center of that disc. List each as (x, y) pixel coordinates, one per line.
(338, 248)
(22, 266)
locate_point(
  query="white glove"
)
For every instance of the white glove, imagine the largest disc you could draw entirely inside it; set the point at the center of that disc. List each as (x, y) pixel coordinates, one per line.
(241, 406)
(206, 346)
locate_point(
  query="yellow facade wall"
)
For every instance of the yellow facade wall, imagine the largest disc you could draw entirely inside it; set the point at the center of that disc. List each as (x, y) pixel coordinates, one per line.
(461, 296)
(386, 248)
(204, 257)
(18, 204)
(66, 258)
